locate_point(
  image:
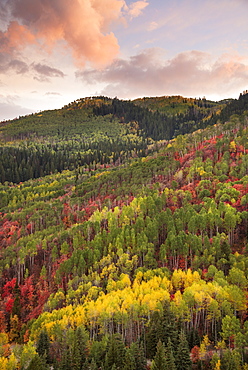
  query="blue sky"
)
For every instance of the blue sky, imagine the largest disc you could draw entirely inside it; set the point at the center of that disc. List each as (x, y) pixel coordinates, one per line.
(52, 53)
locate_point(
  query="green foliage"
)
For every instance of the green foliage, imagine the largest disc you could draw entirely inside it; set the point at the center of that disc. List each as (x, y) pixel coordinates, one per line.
(134, 242)
(43, 346)
(37, 363)
(115, 355)
(182, 358)
(159, 362)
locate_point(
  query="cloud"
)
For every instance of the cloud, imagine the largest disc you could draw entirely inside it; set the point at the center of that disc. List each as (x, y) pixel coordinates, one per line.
(137, 7)
(152, 26)
(41, 72)
(81, 25)
(8, 64)
(18, 66)
(8, 108)
(191, 73)
(44, 72)
(53, 93)
(15, 37)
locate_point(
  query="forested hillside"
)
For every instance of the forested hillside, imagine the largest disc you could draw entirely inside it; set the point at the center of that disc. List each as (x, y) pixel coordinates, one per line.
(123, 236)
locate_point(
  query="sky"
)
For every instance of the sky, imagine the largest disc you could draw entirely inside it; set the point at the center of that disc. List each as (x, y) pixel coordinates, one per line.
(53, 52)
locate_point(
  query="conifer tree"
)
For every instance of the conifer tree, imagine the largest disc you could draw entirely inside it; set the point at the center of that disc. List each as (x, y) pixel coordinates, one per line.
(183, 361)
(115, 354)
(16, 310)
(65, 360)
(129, 361)
(37, 363)
(159, 362)
(43, 345)
(170, 359)
(75, 356)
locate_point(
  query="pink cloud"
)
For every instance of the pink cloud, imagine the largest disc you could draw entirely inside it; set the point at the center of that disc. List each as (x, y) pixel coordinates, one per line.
(137, 7)
(191, 73)
(83, 25)
(15, 37)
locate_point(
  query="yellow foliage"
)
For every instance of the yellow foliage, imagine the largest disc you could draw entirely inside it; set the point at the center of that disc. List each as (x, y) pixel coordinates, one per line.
(178, 279)
(3, 363)
(178, 297)
(217, 365)
(3, 339)
(232, 146)
(203, 347)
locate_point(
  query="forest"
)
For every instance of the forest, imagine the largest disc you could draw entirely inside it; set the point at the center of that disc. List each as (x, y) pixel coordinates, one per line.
(124, 236)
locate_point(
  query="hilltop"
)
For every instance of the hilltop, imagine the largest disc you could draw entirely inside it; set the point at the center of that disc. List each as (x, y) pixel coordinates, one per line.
(124, 224)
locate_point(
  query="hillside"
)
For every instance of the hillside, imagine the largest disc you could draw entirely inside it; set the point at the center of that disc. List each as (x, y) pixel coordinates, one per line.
(123, 235)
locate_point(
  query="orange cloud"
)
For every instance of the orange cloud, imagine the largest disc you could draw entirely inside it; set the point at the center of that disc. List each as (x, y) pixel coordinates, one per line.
(15, 37)
(83, 25)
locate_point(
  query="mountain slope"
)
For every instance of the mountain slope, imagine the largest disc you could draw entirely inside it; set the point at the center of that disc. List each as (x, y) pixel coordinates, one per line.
(107, 253)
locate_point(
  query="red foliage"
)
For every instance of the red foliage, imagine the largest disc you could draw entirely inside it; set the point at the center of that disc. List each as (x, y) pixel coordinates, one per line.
(8, 288)
(27, 293)
(195, 354)
(43, 296)
(9, 304)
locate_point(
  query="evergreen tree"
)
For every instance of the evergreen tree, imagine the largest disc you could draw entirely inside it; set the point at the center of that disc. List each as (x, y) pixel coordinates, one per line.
(159, 362)
(75, 356)
(65, 360)
(115, 354)
(139, 355)
(129, 361)
(170, 359)
(43, 345)
(98, 352)
(161, 327)
(183, 361)
(37, 363)
(16, 310)
(80, 346)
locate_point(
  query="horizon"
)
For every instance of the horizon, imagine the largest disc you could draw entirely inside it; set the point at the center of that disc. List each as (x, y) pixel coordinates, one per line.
(50, 54)
(88, 97)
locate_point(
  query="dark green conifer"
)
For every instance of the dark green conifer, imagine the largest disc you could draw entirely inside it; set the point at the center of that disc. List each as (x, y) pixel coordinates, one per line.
(183, 361)
(129, 360)
(116, 353)
(43, 345)
(16, 310)
(37, 363)
(159, 362)
(170, 359)
(65, 360)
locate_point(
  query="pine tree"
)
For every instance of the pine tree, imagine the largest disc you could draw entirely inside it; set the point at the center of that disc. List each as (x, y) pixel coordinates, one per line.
(43, 345)
(80, 346)
(16, 310)
(115, 354)
(161, 327)
(129, 361)
(183, 361)
(170, 359)
(65, 360)
(139, 355)
(37, 363)
(75, 356)
(159, 362)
